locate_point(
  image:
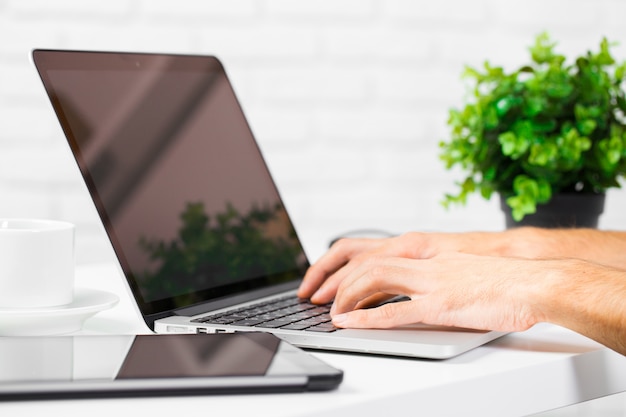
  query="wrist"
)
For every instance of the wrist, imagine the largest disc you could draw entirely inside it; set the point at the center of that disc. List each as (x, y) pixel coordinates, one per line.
(548, 290)
(529, 242)
(570, 290)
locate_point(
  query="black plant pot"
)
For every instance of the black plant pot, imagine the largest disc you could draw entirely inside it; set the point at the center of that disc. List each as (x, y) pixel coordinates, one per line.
(565, 210)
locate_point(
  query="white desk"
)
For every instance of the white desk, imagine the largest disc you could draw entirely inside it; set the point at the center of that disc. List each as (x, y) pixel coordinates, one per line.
(544, 368)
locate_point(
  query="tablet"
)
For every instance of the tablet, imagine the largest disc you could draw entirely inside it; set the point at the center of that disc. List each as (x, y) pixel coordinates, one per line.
(83, 366)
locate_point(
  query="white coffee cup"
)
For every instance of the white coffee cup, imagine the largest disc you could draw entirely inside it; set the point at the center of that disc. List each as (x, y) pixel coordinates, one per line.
(36, 263)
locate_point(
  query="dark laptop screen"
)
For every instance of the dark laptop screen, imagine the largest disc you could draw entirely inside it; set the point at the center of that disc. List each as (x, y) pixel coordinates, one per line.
(175, 173)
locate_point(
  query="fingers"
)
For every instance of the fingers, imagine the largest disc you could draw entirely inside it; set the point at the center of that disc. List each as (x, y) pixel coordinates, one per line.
(382, 317)
(323, 278)
(319, 283)
(451, 289)
(391, 276)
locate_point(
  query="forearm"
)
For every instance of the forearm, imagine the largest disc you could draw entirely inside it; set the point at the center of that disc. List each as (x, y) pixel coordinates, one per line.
(604, 247)
(587, 298)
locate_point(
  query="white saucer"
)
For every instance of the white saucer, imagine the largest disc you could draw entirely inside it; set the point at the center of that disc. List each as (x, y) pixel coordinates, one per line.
(56, 320)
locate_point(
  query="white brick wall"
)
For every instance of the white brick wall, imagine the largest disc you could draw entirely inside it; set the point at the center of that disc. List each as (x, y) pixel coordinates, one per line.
(348, 98)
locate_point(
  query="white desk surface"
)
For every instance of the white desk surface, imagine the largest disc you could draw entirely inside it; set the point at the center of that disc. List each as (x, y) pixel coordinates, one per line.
(524, 373)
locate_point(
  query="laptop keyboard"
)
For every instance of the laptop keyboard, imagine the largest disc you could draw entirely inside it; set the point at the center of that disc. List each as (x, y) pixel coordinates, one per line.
(290, 312)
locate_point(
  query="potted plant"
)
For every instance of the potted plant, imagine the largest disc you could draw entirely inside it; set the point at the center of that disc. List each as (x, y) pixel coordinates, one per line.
(549, 130)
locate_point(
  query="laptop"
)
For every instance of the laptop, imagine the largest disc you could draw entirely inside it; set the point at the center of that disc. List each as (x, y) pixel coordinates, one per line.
(97, 366)
(190, 207)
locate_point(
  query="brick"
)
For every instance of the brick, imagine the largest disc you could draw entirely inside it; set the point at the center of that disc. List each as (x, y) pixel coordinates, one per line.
(69, 8)
(372, 206)
(92, 247)
(311, 84)
(280, 125)
(132, 38)
(476, 11)
(542, 14)
(371, 125)
(44, 164)
(260, 42)
(327, 9)
(478, 214)
(420, 162)
(473, 49)
(20, 80)
(19, 199)
(24, 35)
(612, 13)
(429, 85)
(319, 166)
(26, 120)
(200, 9)
(378, 44)
(73, 202)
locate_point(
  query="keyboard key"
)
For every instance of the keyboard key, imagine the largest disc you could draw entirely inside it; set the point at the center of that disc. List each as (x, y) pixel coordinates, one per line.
(323, 327)
(299, 325)
(288, 312)
(274, 324)
(252, 321)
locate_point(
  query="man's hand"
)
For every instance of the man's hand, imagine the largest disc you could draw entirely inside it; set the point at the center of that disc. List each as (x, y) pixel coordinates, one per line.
(450, 289)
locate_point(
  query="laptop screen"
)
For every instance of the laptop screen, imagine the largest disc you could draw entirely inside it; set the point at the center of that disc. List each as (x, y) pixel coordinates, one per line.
(176, 175)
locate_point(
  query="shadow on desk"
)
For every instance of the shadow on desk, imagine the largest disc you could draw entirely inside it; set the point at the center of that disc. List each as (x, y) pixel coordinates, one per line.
(547, 341)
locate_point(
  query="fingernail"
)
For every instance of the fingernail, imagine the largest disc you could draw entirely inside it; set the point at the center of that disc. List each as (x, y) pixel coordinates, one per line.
(340, 319)
(318, 296)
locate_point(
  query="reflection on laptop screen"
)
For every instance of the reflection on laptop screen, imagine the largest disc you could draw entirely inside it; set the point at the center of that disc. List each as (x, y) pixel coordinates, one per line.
(173, 168)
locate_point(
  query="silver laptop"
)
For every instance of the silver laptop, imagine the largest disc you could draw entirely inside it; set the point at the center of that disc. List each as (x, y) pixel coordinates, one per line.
(192, 212)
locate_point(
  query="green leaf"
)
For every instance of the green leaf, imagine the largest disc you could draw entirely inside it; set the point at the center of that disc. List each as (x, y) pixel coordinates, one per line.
(544, 191)
(490, 118)
(521, 206)
(470, 72)
(543, 50)
(542, 154)
(486, 191)
(526, 186)
(604, 56)
(508, 142)
(611, 152)
(534, 105)
(545, 126)
(587, 126)
(528, 192)
(505, 104)
(581, 112)
(620, 71)
(490, 174)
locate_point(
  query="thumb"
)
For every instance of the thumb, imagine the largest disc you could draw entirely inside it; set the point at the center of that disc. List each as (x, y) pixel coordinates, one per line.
(382, 317)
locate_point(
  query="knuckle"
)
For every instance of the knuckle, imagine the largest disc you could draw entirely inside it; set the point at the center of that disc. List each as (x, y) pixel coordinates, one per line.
(340, 244)
(379, 272)
(410, 243)
(409, 236)
(387, 315)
